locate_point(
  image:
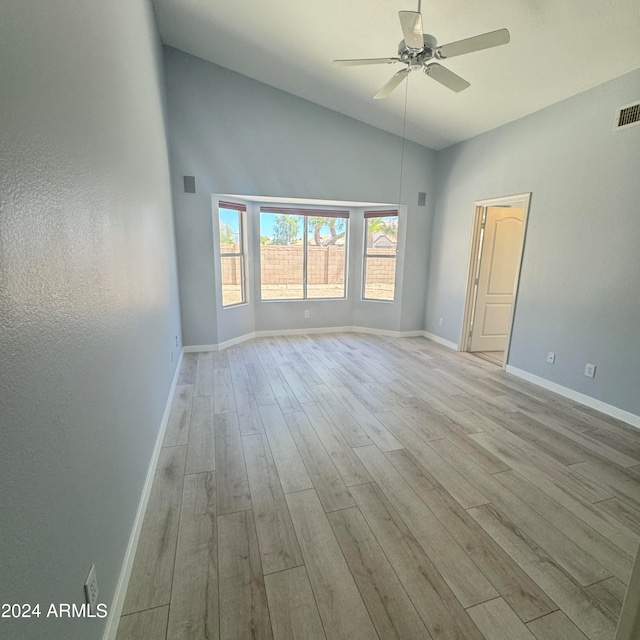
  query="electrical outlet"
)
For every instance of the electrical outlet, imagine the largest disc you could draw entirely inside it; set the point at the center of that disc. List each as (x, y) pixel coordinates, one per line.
(551, 357)
(176, 341)
(590, 370)
(306, 313)
(91, 589)
(441, 321)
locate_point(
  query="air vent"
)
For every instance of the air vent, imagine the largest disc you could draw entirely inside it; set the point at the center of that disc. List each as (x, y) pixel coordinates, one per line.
(628, 115)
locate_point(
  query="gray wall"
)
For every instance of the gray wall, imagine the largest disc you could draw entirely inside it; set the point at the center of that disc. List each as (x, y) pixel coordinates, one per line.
(579, 290)
(236, 135)
(88, 295)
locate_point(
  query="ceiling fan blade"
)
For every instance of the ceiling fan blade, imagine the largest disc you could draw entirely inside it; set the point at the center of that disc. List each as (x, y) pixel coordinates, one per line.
(477, 43)
(363, 61)
(395, 80)
(411, 22)
(447, 78)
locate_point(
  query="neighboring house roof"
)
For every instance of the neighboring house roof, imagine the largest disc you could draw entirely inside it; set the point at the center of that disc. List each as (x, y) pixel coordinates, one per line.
(382, 240)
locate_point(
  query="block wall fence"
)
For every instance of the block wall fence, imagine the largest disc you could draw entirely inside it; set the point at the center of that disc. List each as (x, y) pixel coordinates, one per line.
(325, 265)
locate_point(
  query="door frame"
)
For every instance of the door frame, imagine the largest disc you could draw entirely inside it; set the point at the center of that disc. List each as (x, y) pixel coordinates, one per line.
(475, 255)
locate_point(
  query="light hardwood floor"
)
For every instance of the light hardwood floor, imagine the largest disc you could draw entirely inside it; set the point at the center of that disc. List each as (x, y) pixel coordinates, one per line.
(347, 486)
(497, 357)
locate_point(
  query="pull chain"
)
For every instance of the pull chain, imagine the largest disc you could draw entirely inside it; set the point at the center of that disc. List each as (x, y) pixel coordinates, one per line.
(404, 130)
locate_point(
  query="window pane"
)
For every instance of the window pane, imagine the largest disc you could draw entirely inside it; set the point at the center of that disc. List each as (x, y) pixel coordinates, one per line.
(281, 256)
(380, 277)
(326, 257)
(231, 267)
(232, 280)
(382, 233)
(380, 272)
(230, 241)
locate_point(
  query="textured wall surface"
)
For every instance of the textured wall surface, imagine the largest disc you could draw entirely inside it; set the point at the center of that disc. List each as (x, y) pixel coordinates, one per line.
(579, 289)
(238, 136)
(89, 310)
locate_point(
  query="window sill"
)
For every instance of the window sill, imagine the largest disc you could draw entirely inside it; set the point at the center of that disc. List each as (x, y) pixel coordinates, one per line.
(268, 301)
(377, 300)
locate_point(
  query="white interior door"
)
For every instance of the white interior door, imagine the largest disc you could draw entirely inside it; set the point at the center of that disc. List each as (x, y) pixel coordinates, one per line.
(496, 278)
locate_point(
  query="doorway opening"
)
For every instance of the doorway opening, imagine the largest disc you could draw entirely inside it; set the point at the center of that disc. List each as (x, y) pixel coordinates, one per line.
(497, 245)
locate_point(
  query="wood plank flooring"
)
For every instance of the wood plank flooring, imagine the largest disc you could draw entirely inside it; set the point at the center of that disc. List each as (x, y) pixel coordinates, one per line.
(348, 486)
(497, 357)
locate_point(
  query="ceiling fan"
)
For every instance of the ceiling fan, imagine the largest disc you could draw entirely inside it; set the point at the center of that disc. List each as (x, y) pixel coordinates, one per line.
(418, 49)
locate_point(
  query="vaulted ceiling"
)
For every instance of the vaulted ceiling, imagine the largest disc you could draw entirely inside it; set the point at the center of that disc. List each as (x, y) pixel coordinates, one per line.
(557, 49)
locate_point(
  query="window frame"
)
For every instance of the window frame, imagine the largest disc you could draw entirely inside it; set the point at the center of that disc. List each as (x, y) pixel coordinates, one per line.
(307, 213)
(241, 210)
(368, 215)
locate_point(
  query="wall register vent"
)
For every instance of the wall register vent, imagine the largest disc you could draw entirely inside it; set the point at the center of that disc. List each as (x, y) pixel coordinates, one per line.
(628, 115)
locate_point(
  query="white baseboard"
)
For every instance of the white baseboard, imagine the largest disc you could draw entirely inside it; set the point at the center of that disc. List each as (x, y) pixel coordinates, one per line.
(288, 332)
(588, 401)
(115, 610)
(297, 332)
(387, 333)
(197, 348)
(439, 340)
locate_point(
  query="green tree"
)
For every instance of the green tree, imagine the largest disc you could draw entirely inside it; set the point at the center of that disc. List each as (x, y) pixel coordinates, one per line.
(384, 227)
(374, 225)
(317, 223)
(391, 229)
(226, 234)
(336, 225)
(285, 229)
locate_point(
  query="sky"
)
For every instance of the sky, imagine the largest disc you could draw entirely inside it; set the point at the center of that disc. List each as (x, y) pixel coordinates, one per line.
(267, 224)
